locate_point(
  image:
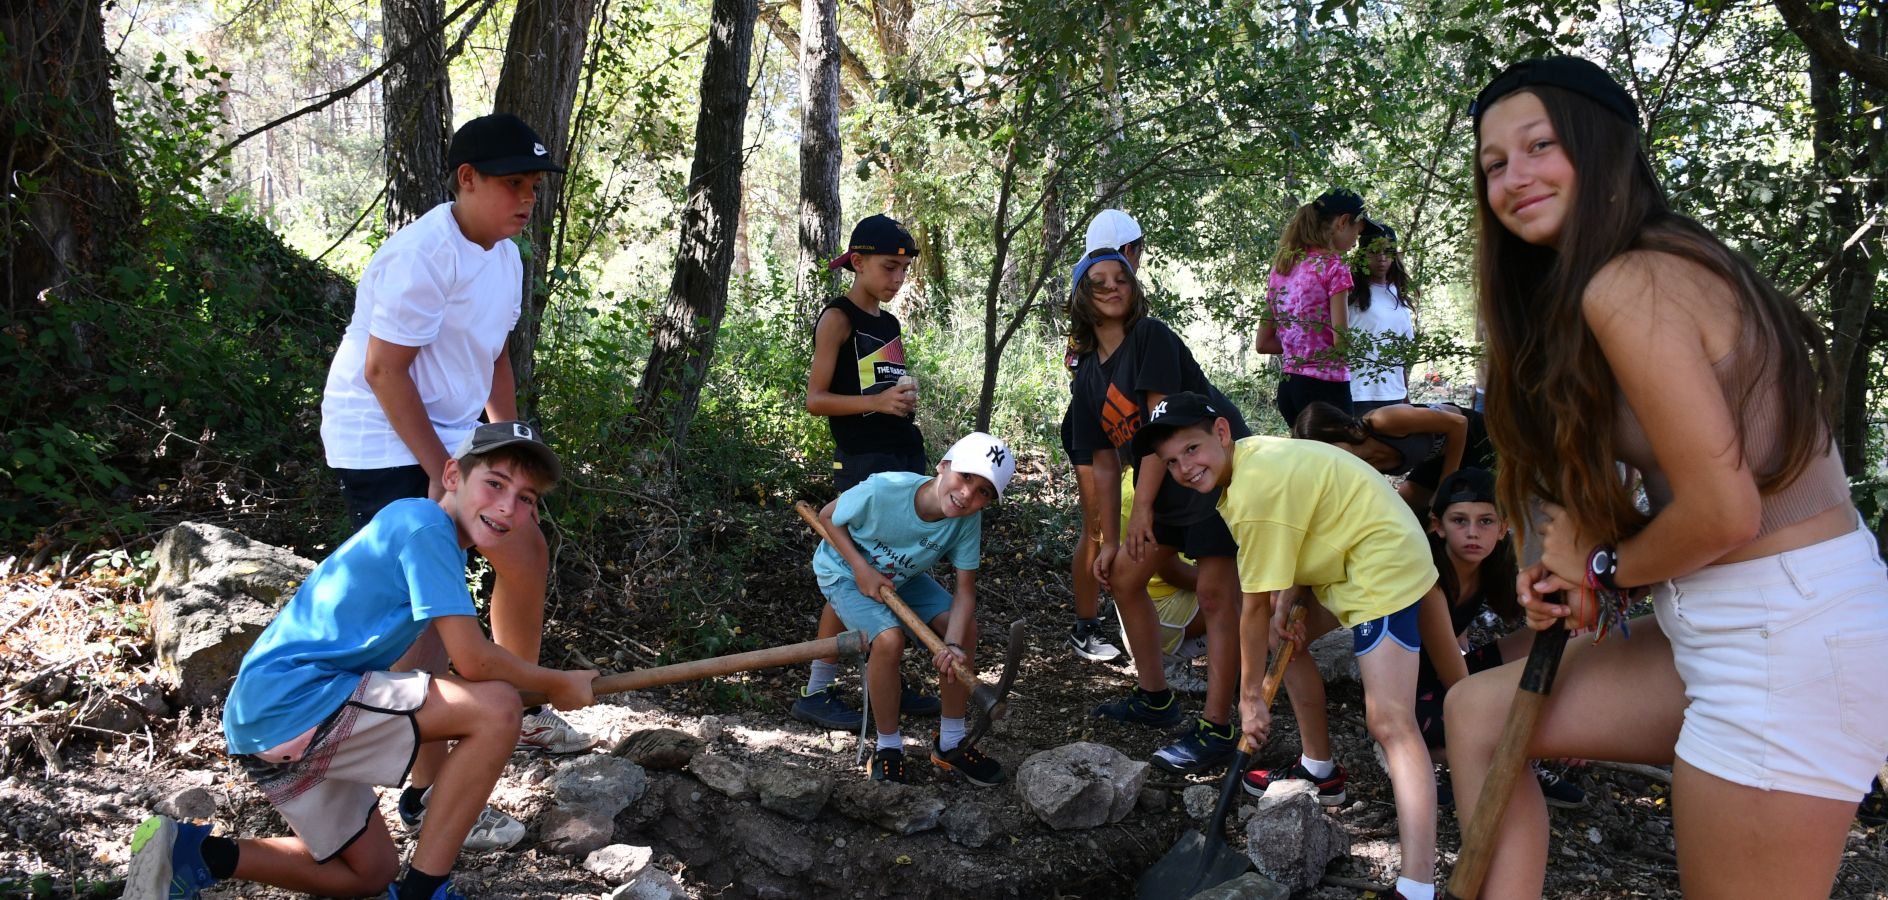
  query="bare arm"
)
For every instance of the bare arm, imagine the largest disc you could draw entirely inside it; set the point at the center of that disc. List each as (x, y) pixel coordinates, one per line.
(1340, 312)
(1255, 640)
(828, 336)
(963, 613)
(1404, 419)
(1108, 499)
(502, 404)
(477, 659)
(389, 371)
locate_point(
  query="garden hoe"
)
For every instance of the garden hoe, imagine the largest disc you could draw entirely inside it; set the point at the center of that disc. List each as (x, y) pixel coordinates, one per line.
(1199, 861)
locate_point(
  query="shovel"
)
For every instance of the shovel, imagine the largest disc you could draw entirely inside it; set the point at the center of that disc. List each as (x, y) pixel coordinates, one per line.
(849, 645)
(1199, 861)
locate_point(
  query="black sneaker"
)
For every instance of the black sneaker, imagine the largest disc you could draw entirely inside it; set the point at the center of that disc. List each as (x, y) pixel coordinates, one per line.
(1090, 645)
(914, 702)
(1559, 792)
(888, 765)
(1139, 708)
(826, 709)
(1205, 748)
(969, 762)
(1330, 790)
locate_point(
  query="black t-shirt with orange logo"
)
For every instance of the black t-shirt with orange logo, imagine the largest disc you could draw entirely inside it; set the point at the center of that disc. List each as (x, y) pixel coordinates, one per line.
(1110, 404)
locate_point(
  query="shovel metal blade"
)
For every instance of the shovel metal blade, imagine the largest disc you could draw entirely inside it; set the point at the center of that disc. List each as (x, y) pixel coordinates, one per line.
(1193, 865)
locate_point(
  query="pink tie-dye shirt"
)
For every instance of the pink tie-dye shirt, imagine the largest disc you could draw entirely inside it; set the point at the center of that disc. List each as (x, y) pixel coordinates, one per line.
(1301, 304)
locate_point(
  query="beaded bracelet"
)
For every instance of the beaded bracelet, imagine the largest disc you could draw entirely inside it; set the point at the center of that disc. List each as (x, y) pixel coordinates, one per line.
(1609, 608)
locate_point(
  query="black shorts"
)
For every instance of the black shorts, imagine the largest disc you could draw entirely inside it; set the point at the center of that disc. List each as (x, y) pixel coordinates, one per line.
(851, 468)
(1296, 392)
(1076, 457)
(1202, 539)
(1429, 695)
(367, 491)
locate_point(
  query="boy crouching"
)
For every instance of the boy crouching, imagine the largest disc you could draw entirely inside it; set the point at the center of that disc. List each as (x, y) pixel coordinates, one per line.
(318, 715)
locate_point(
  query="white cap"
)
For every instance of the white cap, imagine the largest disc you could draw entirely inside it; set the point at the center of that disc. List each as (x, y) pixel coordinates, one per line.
(980, 454)
(1112, 228)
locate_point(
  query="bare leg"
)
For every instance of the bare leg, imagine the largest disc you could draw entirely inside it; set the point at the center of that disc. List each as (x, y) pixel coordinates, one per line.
(1219, 606)
(1139, 619)
(1740, 841)
(365, 868)
(829, 626)
(482, 718)
(1087, 588)
(427, 654)
(1305, 685)
(881, 673)
(1389, 674)
(521, 567)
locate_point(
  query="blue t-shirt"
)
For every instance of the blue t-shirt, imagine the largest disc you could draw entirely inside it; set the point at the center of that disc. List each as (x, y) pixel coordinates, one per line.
(881, 513)
(358, 612)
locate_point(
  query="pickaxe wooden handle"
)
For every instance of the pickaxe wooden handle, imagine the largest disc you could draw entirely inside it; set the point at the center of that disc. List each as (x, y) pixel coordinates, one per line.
(849, 645)
(986, 698)
(1537, 681)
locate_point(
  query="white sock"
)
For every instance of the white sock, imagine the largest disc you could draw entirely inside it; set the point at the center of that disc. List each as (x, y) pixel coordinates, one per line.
(1415, 890)
(1319, 768)
(893, 741)
(1192, 648)
(823, 675)
(950, 733)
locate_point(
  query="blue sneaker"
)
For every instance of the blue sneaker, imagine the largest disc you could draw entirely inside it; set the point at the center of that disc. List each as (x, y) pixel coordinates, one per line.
(1136, 707)
(167, 861)
(1205, 748)
(826, 709)
(443, 892)
(914, 702)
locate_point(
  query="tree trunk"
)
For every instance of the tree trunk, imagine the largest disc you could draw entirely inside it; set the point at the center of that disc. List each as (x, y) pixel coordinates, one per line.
(418, 110)
(60, 147)
(544, 58)
(819, 151)
(698, 296)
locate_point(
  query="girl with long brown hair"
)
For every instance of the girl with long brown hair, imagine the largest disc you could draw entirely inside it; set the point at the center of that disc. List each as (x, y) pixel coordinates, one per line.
(1619, 331)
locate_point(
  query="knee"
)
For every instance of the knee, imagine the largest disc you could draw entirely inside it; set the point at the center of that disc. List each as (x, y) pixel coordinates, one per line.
(1391, 724)
(497, 705)
(1467, 717)
(889, 644)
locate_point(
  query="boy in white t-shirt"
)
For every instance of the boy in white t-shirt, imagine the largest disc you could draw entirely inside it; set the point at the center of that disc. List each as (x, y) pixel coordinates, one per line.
(423, 356)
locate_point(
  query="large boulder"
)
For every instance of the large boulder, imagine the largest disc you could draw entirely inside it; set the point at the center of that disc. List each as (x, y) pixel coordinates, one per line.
(1290, 839)
(214, 592)
(1080, 785)
(587, 795)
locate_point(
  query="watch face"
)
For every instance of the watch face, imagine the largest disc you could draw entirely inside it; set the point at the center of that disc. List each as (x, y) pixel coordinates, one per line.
(1603, 562)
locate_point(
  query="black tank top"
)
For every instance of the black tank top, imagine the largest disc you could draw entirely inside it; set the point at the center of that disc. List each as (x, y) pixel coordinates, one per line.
(1415, 448)
(871, 359)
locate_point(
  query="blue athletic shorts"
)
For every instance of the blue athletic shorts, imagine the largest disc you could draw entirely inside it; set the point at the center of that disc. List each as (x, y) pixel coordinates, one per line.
(921, 592)
(1399, 625)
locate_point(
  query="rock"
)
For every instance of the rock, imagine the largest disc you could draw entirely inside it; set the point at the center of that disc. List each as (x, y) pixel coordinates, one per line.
(1199, 800)
(574, 830)
(721, 773)
(897, 808)
(147, 699)
(214, 592)
(113, 716)
(618, 863)
(1153, 800)
(1335, 657)
(658, 748)
(587, 794)
(1290, 839)
(797, 793)
(1250, 886)
(1080, 785)
(652, 884)
(711, 729)
(789, 851)
(187, 804)
(975, 824)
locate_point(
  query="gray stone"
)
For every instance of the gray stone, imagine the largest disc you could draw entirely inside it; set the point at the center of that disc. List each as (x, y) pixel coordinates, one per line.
(113, 716)
(658, 748)
(897, 808)
(797, 793)
(618, 863)
(787, 850)
(214, 592)
(1290, 839)
(574, 830)
(652, 884)
(1250, 886)
(147, 699)
(599, 781)
(974, 823)
(187, 804)
(1080, 785)
(1335, 656)
(721, 773)
(1199, 800)
(1154, 800)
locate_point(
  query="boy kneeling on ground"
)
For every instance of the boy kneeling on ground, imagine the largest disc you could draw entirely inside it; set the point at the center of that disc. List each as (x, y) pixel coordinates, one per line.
(1306, 513)
(889, 531)
(317, 715)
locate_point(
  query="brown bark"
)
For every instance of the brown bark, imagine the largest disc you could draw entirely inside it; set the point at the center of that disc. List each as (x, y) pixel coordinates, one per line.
(685, 330)
(418, 111)
(1821, 32)
(820, 236)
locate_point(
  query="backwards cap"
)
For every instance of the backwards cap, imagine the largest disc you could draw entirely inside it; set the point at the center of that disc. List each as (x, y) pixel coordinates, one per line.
(1566, 72)
(875, 234)
(1112, 229)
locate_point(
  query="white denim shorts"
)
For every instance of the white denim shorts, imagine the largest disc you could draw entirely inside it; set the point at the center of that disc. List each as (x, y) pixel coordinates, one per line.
(1785, 664)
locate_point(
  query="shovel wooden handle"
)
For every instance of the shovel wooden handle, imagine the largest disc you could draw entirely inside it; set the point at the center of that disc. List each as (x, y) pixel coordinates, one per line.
(849, 645)
(890, 598)
(1537, 681)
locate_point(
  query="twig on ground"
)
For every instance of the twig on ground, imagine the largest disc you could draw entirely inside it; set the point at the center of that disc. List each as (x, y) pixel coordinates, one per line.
(1356, 884)
(1653, 772)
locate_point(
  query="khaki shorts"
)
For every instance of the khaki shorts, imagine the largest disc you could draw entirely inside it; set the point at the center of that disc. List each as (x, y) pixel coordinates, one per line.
(327, 796)
(1176, 610)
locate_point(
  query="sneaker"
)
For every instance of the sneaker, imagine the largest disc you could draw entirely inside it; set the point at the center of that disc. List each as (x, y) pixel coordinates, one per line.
(1559, 791)
(888, 765)
(167, 861)
(1136, 707)
(443, 892)
(1184, 676)
(493, 831)
(547, 731)
(1330, 790)
(826, 709)
(969, 762)
(1090, 645)
(1873, 810)
(914, 702)
(1205, 748)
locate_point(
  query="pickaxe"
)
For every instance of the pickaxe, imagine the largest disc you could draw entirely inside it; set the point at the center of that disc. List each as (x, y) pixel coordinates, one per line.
(993, 702)
(849, 645)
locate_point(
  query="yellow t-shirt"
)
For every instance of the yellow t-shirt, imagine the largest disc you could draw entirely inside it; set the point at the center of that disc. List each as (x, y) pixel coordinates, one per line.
(1309, 513)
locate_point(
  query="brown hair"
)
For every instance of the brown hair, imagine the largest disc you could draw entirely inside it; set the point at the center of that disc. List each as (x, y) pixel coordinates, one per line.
(1308, 229)
(1325, 423)
(524, 464)
(1552, 397)
(1081, 308)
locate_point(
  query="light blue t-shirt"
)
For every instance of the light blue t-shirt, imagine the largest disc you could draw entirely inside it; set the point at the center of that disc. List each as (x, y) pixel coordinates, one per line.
(358, 612)
(881, 513)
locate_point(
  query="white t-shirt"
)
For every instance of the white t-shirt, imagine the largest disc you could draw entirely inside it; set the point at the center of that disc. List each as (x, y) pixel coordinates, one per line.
(1384, 317)
(432, 288)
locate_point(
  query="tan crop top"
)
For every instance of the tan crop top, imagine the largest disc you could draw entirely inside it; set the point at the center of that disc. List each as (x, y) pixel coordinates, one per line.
(1818, 487)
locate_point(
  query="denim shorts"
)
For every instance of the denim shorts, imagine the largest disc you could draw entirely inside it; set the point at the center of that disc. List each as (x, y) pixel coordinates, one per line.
(921, 592)
(1785, 666)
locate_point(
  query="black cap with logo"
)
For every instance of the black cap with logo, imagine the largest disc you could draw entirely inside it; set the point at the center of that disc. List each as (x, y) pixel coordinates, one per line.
(493, 435)
(876, 234)
(1173, 412)
(499, 144)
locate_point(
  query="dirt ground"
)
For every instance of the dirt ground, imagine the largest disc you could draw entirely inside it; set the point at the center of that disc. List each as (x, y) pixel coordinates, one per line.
(72, 638)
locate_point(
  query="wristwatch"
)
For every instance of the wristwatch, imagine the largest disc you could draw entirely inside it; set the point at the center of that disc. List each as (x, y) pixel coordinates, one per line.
(1603, 566)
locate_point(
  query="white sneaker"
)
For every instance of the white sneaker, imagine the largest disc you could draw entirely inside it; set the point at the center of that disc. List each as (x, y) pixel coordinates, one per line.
(493, 831)
(1182, 676)
(547, 731)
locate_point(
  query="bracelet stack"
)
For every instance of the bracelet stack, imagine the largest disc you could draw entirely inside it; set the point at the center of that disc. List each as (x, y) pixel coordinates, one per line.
(1610, 603)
